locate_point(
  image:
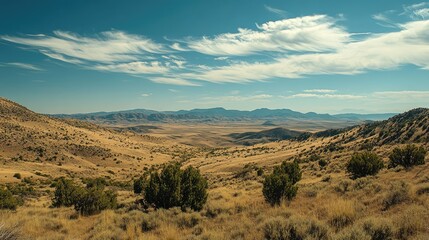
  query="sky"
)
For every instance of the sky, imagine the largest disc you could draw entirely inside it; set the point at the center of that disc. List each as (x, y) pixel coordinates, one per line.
(330, 56)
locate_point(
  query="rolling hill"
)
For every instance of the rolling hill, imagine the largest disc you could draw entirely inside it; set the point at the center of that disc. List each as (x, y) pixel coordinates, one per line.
(33, 142)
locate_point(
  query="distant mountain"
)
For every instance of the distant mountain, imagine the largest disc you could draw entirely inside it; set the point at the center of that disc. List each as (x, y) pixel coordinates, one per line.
(214, 114)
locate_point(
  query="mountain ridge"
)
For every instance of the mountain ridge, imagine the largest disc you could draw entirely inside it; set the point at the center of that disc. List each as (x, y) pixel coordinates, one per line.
(216, 114)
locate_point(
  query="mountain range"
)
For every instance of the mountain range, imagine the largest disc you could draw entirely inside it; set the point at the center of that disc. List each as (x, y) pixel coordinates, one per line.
(215, 114)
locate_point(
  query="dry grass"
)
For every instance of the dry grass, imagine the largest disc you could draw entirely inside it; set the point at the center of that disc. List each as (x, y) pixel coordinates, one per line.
(341, 213)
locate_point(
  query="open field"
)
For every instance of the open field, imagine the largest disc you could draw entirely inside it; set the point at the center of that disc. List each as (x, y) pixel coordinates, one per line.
(217, 134)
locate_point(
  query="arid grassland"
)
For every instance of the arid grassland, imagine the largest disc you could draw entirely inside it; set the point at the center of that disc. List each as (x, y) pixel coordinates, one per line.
(390, 203)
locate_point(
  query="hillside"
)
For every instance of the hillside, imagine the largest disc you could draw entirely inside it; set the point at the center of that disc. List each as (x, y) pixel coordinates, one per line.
(411, 126)
(31, 142)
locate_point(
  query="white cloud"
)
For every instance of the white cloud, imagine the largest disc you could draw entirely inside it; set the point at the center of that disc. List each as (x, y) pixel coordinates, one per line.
(328, 96)
(25, 66)
(107, 47)
(146, 94)
(173, 81)
(275, 10)
(221, 58)
(307, 34)
(320, 91)
(173, 90)
(384, 20)
(417, 11)
(153, 67)
(409, 45)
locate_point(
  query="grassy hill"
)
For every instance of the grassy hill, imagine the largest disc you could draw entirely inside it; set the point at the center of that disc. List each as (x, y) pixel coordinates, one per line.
(31, 143)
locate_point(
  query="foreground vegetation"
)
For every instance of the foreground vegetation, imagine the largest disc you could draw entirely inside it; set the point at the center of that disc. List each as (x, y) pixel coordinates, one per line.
(283, 202)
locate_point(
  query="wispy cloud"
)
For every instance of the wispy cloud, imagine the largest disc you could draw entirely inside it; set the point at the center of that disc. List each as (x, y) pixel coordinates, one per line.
(328, 96)
(153, 67)
(316, 33)
(24, 66)
(403, 94)
(384, 20)
(106, 47)
(146, 94)
(173, 81)
(417, 11)
(235, 98)
(320, 91)
(275, 10)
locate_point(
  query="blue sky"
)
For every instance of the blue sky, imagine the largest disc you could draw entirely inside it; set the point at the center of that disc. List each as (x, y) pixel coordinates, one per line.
(307, 55)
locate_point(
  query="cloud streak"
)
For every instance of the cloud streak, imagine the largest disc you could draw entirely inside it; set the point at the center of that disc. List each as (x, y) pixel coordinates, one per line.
(316, 33)
(106, 47)
(26, 66)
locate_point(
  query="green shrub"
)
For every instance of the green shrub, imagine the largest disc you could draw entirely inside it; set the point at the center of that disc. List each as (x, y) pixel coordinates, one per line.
(87, 201)
(193, 189)
(169, 187)
(407, 157)
(291, 169)
(66, 193)
(280, 184)
(17, 175)
(96, 182)
(7, 200)
(322, 163)
(94, 199)
(174, 187)
(364, 164)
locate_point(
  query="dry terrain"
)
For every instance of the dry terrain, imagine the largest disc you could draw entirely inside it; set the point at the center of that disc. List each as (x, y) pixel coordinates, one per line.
(394, 204)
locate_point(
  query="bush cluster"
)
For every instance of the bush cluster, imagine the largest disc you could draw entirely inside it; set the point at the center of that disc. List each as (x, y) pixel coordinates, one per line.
(281, 183)
(408, 156)
(87, 201)
(364, 164)
(7, 200)
(173, 187)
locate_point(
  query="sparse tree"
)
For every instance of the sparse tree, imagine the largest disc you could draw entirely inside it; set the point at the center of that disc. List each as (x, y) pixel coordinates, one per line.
(193, 189)
(280, 185)
(169, 188)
